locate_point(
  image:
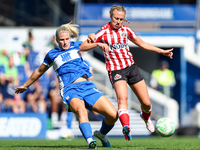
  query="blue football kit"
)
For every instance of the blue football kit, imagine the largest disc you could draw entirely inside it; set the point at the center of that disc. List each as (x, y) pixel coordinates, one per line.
(69, 66)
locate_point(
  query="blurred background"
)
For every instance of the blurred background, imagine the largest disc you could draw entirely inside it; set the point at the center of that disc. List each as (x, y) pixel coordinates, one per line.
(27, 30)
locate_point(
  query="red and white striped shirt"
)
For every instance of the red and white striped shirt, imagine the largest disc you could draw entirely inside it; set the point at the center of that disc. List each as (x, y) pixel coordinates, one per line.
(119, 55)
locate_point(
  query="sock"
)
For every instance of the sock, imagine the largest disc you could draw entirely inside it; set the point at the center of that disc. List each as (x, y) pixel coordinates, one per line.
(89, 140)
(105, 128)
(124, 117)
(69, 119)
(54, 116)
(86, 131)
(63, 116)
(146, 114)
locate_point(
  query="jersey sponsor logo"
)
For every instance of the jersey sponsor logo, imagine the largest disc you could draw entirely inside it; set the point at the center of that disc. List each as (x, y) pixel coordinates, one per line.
(118, 46)
(117, 76)
(65, 57)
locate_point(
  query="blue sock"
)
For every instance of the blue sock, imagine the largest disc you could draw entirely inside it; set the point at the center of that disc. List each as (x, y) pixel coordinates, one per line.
(86, 130)
(69, 119)
(105, 128)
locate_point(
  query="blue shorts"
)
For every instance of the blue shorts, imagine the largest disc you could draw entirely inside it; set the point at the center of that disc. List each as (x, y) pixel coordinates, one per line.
(86, 91)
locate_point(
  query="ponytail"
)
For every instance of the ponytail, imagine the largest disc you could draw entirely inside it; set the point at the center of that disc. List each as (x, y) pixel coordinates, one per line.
(71, 28)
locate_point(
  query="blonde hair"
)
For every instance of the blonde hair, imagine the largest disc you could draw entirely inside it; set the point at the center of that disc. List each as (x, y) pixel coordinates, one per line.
(118, 8)
(71, 28)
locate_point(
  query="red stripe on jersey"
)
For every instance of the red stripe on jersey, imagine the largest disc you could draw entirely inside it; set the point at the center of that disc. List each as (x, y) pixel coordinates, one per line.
(102, 37)
(108, 63)
(121, 50)
(119, 56)
(112, 39)
(105, 38)
(99, 39)
(124, 38)
(123, 53)
(131, 34)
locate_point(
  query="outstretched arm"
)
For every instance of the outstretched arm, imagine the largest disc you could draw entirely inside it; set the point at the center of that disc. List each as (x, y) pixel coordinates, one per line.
(35, 75)
(146, 46)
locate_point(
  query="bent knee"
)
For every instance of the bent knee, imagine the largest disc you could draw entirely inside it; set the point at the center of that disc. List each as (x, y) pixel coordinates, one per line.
(112, 117)
(82, 112)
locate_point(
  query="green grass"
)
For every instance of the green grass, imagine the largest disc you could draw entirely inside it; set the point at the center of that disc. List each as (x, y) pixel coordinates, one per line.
(150, 143)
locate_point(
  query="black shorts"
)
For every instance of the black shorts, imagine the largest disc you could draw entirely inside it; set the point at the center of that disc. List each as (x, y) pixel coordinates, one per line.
(130, 74)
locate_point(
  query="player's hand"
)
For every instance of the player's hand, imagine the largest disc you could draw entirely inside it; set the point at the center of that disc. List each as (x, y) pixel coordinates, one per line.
(104, 46)
(20, 89)
(91, 38)
(168, 53)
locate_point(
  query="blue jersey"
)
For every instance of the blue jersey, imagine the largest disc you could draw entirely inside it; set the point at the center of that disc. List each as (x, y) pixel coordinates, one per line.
(68, 64)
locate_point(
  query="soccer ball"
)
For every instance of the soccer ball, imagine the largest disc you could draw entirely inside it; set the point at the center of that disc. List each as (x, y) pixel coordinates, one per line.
(165, 127)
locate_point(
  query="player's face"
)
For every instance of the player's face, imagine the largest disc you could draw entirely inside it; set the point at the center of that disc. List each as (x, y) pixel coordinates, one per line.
(117, 19)
(64, 40)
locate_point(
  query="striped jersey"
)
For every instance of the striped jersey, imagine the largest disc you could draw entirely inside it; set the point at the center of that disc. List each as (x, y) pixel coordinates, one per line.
(68, 64)
(119, 55)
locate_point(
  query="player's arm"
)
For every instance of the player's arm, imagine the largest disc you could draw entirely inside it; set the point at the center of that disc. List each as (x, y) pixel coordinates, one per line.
(34, 76)
(91, 38)
(146, 46)
(87, 45)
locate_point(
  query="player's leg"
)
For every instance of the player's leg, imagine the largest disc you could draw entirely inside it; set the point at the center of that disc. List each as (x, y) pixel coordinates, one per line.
(119, 81)
(69, 120)
(104, 107)
(77, 106)
(69, 123)
(66, 131)
(140, 90)
(55, 100)
(122, 97)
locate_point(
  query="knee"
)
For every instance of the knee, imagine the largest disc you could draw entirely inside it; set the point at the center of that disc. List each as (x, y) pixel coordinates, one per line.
(115, 118)
(112, 117)
(81, 112)
(122, 100)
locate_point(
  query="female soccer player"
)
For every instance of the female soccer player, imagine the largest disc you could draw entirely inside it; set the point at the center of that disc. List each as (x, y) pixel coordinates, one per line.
(121, 66)
(77, 93)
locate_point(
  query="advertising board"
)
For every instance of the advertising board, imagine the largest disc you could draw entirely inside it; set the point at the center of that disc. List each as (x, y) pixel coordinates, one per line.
(23, 126)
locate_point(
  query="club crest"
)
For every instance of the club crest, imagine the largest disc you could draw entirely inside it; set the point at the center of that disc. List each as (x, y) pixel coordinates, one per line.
(123, 34)
(117, 76)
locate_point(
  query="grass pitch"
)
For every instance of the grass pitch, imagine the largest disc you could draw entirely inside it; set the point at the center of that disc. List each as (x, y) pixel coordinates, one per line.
(149, 143)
